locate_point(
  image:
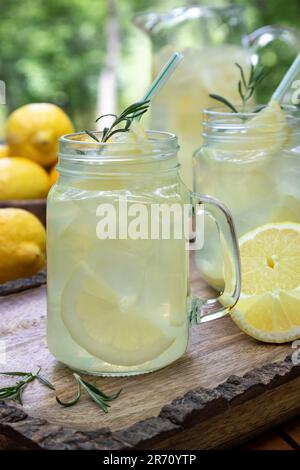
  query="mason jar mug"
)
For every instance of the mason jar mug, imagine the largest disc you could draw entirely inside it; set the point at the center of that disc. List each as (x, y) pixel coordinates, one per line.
(251, 162)
(119, 300)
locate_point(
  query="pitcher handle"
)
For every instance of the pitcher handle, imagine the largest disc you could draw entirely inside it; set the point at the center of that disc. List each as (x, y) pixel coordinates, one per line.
(266, 34)
(204, 310)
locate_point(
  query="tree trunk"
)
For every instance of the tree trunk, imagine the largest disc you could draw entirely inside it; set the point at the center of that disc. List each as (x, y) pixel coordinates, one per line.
(107, 84)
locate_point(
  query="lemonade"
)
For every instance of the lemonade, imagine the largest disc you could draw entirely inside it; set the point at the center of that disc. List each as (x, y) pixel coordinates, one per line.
(119, 299)
(179, 105)
(120, 305)
(253, 165)
(121, 288)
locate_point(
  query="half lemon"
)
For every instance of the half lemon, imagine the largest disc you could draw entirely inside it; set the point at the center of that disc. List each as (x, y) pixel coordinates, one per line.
(269, 306)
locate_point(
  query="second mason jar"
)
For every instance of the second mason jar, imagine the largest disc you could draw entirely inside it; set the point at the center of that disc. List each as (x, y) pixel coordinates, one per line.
(251, 161)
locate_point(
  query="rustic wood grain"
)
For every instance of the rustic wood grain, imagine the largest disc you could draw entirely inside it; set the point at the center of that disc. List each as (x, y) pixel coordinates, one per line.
(241, 420)
(291, 431)
(269, 441)
(205, 400)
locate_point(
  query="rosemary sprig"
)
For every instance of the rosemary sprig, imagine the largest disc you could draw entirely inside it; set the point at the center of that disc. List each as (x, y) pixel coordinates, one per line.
(92, 135)
(44, 381)
(246, 87)
(135, 110)
(97, 395)
(16, 391)
(73, 401)
(224, 101)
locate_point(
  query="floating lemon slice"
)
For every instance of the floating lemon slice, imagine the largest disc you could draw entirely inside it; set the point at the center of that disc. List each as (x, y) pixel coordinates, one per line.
(271, 119)
(269, 306)
(136, 138)
(109, 326)
(263, 134)
(135, 142)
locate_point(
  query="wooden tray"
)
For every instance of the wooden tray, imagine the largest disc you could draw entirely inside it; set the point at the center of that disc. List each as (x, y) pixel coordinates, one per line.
(226, 389)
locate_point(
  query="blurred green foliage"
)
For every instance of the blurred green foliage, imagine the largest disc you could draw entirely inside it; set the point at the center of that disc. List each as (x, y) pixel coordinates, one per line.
(276, 57)
(54, 50)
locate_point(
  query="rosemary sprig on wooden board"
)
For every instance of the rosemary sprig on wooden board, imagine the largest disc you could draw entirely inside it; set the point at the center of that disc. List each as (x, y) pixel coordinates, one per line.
(16, 390)
(99, 397)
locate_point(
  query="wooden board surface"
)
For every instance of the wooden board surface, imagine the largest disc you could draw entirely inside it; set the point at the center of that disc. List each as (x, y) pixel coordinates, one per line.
(225, 389)
(269, 441)
(291, 431)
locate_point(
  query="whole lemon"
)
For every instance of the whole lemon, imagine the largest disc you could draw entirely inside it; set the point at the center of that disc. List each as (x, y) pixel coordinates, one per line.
(53, 175)
(33, 130)
(4, 150)
(21, 178)
(22, 244)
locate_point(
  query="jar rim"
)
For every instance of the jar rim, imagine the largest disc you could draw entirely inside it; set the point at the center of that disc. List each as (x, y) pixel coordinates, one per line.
(220, 122)
(79, 147)
(221, 111)
(166, 137)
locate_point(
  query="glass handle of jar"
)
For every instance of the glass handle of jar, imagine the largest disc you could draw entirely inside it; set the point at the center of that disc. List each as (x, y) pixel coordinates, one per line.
(263, 36)
(204, 310)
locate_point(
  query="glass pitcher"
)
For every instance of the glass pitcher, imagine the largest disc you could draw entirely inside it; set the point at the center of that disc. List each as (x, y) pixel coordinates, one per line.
(119, 300)
(212, 41)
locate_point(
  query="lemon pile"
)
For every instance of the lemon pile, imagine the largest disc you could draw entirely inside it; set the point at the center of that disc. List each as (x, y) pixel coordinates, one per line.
(269, 306)
(53, 175)
(32, 131)
(22, 244)
(4, 150)
(27, 171)
(21, 178)
(29, 156)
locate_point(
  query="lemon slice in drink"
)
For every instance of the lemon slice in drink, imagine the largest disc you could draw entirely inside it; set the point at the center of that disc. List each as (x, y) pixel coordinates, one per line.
(109, 326)
(271, 117)
(269, 306)
(270, 123)
(135, 142)
(261, 135)
(136, 138)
